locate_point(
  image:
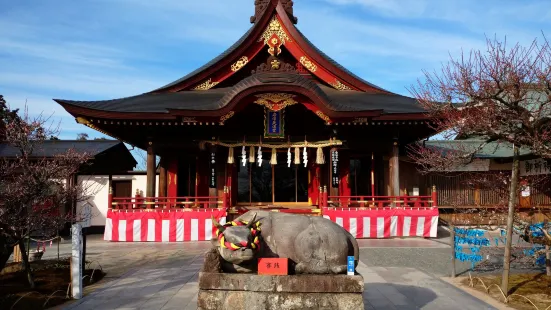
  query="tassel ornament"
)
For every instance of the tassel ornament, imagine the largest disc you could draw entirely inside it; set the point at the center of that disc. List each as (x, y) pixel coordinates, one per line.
(259, 158)
(320, 159)
(273, 161)
(244, 156)
(289, 158)
(305, 156)
(297, 156)
(251, 154)
(230, 156)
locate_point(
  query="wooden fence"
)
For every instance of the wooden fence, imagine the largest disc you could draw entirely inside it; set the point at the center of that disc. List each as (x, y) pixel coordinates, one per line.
(457, 190)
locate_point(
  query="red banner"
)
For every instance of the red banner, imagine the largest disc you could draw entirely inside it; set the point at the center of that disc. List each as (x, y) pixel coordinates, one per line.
(159, 226)
(385, 222)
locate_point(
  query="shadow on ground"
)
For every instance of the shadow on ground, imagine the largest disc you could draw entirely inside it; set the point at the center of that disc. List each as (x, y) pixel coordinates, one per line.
(397, 296)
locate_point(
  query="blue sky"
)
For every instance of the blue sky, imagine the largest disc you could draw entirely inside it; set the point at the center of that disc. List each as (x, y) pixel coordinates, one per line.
(104, 49)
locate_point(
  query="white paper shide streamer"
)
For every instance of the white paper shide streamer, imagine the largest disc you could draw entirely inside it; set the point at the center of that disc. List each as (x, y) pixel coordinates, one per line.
(289, 157)
(305, 157)
(244, 156)
(259, 156)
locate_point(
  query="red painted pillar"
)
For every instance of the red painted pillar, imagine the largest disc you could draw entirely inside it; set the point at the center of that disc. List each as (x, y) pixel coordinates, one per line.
(313, 183)
(231, 183)
(137, 199)
(110, 198)
(344, 180)
(434, 197)
(325, 197)
(172, 179)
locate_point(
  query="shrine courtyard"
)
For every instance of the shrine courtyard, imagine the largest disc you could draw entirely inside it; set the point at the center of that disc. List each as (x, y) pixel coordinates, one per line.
(398, 273)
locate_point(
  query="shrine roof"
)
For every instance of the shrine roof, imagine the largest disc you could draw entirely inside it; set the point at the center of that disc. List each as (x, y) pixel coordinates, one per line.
(242, 40)
(157, 102)
(211, 63)
(50, 148)
(334, 62)
(210, 90)
(215, 99)
(490, 150)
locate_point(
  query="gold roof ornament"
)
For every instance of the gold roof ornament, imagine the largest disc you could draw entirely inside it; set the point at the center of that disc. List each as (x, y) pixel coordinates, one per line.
(206, 85)
(308, 64)
(240, 64)
(224, 118)
(340, 86)
(323, 116)
(274, 36)
(275, 101)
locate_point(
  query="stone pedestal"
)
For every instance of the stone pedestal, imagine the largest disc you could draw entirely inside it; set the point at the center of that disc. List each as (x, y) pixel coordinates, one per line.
(225, 291)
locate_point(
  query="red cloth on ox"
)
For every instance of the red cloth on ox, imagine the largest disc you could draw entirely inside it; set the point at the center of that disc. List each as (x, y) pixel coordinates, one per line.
(157, 226)
(385, 222)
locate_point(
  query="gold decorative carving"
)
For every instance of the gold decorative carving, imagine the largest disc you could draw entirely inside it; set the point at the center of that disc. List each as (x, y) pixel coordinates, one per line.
(206, 85)
(323, 116)
(82, 120)
(360, 120)
(274, 36)
(187, 119)
(308, 64)
(226, 117)
(275, 64)
(275, 101)
(240, 63)
(340, 86)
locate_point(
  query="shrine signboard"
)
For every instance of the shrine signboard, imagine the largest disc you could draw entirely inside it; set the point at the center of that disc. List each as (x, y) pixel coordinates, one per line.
(273, 266)
(535, 167)
(273, 127)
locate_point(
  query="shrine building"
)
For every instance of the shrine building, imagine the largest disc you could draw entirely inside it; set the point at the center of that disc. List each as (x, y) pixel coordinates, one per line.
(274, 123)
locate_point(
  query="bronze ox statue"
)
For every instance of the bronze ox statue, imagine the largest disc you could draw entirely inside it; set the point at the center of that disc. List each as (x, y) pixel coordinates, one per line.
(313, 245)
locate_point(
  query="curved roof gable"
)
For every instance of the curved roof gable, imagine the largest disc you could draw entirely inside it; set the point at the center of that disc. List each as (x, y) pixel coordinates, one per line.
(250, 44)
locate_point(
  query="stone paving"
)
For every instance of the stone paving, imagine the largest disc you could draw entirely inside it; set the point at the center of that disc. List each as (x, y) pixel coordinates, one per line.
(164, 276)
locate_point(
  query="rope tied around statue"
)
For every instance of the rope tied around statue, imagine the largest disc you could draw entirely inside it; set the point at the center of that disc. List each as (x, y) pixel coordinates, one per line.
(253, 242)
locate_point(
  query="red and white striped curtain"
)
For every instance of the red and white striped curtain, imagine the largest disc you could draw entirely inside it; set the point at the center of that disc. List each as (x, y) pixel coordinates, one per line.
(174, 226)
(386, 222)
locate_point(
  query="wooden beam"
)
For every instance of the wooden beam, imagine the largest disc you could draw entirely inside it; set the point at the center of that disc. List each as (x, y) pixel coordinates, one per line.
(151, 173)
(394, 170)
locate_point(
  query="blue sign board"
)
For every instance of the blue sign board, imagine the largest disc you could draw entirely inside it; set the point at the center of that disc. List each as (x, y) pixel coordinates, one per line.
(274, 124)
(350, 267)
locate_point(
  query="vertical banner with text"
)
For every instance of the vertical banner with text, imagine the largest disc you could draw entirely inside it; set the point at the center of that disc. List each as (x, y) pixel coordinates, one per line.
(335, 168)
(212, 168)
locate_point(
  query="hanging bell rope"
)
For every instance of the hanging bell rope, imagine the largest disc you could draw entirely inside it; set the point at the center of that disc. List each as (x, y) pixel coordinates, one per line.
(297, 156)
(251, 154)
(230, 156)
(320, 159)
(283, 145)
(273, 160)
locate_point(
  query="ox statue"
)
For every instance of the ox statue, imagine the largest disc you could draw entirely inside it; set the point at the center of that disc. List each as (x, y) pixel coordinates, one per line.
(313, 245)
